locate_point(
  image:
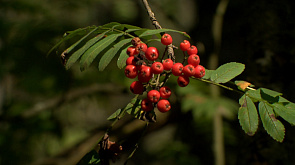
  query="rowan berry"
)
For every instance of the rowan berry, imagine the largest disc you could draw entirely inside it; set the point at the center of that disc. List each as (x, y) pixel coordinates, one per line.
(199, 71)
(167, 64)
(165, 92)
(157, 68)
(131, 51)
(166, 39)
(188, 70)
(140, 47)
(131, 71)
(152, 53)
(182, 81)
(146, 105)
(136, 87)
(163, 106)
(193, 60)
(130, 61)
(177, 69)
(145, 74)
(153, 96)
(192, 50)
(184, 45)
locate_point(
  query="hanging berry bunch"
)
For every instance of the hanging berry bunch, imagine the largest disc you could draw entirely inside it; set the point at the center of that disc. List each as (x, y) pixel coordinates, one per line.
(149, 67)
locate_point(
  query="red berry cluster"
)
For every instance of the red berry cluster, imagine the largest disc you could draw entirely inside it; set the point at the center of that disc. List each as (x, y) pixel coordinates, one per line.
(143, 63)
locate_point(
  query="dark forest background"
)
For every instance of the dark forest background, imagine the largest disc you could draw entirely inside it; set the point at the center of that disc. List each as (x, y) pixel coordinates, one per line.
(49, 115)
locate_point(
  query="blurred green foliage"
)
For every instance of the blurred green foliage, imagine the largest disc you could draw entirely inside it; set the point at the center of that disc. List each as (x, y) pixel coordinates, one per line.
(45, 111)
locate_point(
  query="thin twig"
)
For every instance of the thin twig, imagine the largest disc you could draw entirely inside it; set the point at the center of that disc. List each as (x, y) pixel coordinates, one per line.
(157, 25)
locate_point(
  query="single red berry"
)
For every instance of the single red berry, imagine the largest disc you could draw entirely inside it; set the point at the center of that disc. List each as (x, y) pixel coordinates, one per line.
(184, 45)
(131, 71)
(188, 70)
(135, 41)
(152, 53)
(177, 69)
(130, 61)
(153, 96)
(182, 81)
(193, 60)
(163, 106)
(146, 105)
(131, 51)
(199, 71)
(165, 92)
(136, 87)
(140, 47)
(167, 64)
(192, 50)
(145, 74)
(166, 39)
(157, 68)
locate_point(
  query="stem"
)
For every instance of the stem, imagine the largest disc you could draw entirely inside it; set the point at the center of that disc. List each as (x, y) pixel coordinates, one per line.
(157, 26)
(219, 152)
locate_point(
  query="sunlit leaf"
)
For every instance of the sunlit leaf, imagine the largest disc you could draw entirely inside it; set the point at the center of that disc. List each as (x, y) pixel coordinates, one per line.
(270, 123)
(248, 116)
(98, 47)
(226, 72)
(285, 112)
(110, 54)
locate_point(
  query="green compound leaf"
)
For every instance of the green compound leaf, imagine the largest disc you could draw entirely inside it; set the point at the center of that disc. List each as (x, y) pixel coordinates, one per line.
(70, 34)
(226, 72)
(158, 31)
(110, 54)
(248, 116)
(121, 62)
(98, 47)
(272, 125)
(76, 55)
(286, 112)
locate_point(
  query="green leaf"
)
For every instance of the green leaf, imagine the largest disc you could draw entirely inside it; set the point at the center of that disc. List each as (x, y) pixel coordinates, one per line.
(109, 55)
(76, 55)
(208, 73)
(122, 58)
(79, 41)
(226, 72)
(286, 113)
(248, 116)
(93, 51)
(70, 34)
(115, 115)
(270, 92)
(272, 125)
(255, 95)
(158, 31)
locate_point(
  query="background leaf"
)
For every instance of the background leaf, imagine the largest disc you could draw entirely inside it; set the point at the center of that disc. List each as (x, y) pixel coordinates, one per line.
(110, 54)
(248, 116)
(226, 72)
(272, 125)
